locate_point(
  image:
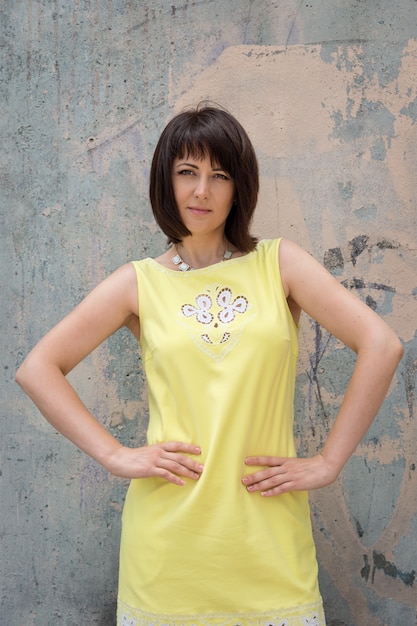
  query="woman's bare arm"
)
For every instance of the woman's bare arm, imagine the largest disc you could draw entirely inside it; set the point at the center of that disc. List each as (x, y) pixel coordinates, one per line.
(311, 288)
(111, 305)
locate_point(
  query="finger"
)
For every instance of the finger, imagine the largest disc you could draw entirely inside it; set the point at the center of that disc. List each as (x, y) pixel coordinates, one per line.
(181, 469)
(261, 475)
(272, 486)
(278, 490)
(174, 472)
(180, 446)
(180, 465)
(269, 461)
(267, 482)
(169, 476)
(185, 461)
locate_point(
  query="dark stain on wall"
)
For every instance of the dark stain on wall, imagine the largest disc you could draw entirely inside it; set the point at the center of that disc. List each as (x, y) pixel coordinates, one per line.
(333, 259)
(409, 375)
(357, 246)
(379, 562)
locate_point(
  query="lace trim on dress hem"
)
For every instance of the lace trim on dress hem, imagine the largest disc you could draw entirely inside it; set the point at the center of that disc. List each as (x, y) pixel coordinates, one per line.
(306, 615)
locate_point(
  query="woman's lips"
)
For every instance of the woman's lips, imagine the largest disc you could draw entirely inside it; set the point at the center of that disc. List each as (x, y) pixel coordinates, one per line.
(198, 210)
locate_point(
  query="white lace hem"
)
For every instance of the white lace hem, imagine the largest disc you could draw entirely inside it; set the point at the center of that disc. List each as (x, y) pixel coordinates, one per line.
(306, 615)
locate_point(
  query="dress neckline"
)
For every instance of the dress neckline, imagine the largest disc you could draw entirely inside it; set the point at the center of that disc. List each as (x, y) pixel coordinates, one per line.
(208, 268)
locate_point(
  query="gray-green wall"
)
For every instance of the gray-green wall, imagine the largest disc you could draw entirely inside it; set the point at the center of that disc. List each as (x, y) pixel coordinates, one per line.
(328, 92)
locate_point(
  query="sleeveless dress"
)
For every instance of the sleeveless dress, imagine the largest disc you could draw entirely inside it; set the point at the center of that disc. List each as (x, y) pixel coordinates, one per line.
(219, 349)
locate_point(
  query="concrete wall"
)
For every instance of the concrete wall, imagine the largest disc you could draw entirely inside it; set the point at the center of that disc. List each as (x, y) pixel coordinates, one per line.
(328, 91)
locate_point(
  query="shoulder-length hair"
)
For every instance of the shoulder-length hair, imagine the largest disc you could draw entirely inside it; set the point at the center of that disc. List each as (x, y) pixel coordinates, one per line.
(206, 130)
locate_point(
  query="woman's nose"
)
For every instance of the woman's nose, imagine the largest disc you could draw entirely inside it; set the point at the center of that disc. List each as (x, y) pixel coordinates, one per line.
(201, 189)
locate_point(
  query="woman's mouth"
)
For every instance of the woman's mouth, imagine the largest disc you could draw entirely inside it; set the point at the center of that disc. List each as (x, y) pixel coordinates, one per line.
(198, 210)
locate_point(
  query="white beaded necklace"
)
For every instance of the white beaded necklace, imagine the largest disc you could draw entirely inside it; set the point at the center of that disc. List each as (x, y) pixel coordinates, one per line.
(184, 267)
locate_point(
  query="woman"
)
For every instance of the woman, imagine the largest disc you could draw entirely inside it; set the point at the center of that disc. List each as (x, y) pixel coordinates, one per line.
(216, 525)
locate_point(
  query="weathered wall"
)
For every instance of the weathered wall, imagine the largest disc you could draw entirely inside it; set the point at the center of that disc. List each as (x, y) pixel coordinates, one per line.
(328, 91)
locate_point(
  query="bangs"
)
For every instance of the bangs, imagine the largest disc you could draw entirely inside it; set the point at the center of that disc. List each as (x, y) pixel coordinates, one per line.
(197, 144)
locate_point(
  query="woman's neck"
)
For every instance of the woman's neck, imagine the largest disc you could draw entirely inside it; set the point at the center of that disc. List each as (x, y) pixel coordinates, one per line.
(200, 252)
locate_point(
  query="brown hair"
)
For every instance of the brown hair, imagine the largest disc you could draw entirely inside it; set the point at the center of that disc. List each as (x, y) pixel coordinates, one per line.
(206, 130)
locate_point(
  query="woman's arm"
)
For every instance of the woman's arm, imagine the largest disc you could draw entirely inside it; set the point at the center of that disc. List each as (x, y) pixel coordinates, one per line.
(311, 288)
(111, 305)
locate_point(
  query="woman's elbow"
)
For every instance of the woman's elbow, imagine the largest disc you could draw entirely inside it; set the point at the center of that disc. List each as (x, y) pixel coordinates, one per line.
(383, 344)
(29, 373)
(397, 350)
(23, 374)
(391, 348)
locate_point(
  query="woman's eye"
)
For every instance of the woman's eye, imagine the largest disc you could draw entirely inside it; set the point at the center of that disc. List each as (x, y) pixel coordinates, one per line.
(190, 172)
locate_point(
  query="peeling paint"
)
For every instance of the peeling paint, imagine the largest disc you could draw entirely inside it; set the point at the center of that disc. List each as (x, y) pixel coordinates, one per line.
(379, 562)
(357, 246)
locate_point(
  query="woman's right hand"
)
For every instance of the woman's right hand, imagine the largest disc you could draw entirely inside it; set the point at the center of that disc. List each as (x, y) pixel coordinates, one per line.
(163, 460)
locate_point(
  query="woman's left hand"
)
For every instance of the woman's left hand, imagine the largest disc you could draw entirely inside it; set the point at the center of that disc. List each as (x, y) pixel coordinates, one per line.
(282, 474)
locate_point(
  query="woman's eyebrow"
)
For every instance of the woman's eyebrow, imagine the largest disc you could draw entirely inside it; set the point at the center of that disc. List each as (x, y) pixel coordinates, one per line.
(182, 163)
(216, 168)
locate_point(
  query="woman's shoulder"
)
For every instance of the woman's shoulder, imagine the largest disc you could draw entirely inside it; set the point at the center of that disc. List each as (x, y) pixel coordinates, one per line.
(277, 246)
(117, 287)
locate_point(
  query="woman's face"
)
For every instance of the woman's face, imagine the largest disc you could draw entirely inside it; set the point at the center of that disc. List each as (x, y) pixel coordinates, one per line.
(204, 194)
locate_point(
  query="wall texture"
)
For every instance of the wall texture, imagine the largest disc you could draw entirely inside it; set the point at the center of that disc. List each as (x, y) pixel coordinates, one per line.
(327, 90)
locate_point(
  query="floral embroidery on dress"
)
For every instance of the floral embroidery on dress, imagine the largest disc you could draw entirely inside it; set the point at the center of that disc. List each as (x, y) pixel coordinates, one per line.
(224, 316)
(203, 302)
(224, 299)
(206, 338)
(128, 622)
(313, 621)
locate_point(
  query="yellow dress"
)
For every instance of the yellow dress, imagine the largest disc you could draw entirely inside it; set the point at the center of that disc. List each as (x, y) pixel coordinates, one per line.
(219, 348)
